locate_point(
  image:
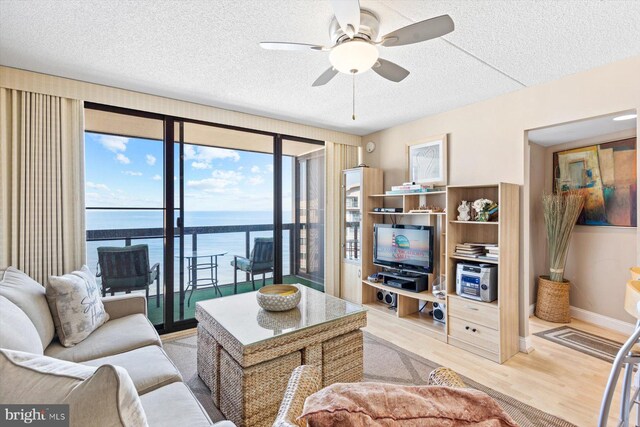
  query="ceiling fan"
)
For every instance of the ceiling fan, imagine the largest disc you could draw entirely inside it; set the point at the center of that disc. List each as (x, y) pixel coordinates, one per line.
(354, 33)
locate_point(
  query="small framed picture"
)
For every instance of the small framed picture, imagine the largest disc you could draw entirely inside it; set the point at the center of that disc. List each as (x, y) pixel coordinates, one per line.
(427, 161)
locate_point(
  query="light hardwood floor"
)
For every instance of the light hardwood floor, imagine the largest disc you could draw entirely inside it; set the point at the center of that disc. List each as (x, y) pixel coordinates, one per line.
(553, 378)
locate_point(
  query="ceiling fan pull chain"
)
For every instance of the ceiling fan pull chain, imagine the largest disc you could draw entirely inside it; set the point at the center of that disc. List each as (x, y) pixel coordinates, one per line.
(353, 114)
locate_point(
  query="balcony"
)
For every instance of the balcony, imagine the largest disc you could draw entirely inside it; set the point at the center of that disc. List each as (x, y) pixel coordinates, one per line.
(297, 268)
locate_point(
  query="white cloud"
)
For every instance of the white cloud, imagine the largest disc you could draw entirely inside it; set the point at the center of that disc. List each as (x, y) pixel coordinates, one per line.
(151, 159)
(95, 186)
(132, 173)
(114, 143)
(200, 165)
(255, 169)
(270, 168)
(207, 154)
(219, 181)
(255, 180)
(156, 178)
(122, 159)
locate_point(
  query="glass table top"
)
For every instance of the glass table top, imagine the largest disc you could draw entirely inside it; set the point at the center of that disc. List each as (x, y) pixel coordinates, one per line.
(243, 318)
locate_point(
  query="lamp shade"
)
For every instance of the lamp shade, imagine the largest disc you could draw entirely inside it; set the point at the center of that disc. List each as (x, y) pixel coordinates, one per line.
(353, 57)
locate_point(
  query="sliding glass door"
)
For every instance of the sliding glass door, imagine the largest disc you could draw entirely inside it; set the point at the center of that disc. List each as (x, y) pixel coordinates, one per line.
(216, 210)
(224, 213)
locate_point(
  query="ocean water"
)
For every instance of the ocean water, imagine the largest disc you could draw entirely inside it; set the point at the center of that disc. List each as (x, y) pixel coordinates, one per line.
(231, 243)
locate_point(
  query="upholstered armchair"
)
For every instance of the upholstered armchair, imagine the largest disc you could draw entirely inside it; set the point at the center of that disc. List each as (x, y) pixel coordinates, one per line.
(306, 380)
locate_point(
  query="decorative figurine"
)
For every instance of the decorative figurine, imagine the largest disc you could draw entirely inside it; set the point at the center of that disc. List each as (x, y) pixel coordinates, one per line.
(464, 209)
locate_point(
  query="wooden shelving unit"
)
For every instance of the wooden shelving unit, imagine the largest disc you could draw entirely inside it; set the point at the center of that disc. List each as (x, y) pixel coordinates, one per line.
(486, 329)
(468, 324)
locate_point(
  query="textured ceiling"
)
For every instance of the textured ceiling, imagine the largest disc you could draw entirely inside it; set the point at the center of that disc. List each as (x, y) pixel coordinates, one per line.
(582, 129)
(207, 52)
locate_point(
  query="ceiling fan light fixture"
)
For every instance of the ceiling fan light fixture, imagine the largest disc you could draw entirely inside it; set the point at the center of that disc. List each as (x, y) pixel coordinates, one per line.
(353, 56)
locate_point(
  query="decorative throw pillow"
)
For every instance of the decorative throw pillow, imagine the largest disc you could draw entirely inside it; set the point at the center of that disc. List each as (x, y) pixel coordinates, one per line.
(373, 404)
(29, 296)
(16, 329)
(76, 306)
(102, 396)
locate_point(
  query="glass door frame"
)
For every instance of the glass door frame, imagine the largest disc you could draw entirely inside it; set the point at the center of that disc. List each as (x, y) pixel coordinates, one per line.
(170, 227)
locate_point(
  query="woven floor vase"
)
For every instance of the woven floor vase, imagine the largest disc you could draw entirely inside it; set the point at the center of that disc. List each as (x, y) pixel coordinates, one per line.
(552, 304)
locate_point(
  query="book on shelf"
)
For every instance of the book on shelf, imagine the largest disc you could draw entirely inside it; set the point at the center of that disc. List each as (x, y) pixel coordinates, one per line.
(484, 245)
(466, 251)
(493, 256)
(466, 255)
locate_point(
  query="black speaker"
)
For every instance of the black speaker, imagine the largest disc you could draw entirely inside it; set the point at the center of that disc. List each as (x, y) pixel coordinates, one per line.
(440, 312)
(386, 297)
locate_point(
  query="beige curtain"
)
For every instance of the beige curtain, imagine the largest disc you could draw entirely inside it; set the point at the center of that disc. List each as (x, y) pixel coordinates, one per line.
(338, 158)
(42, 227)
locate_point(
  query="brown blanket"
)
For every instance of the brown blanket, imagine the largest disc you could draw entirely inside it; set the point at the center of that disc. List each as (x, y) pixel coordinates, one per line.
(385, 405)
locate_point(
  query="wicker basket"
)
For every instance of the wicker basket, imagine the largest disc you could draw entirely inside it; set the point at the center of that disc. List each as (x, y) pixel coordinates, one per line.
(553, 300)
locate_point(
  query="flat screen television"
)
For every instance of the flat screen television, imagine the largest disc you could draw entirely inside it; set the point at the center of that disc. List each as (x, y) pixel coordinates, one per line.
(404, 247)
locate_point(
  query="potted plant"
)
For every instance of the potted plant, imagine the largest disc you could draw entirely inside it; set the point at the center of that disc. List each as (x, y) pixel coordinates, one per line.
(561, 211)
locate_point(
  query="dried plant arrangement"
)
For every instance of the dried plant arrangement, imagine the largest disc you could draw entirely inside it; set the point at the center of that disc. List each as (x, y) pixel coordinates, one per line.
(561, 211)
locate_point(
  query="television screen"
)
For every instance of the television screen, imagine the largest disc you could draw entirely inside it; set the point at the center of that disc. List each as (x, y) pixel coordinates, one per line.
(404, 247)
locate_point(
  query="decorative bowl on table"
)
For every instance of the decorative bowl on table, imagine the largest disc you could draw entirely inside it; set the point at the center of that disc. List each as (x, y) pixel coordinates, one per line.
(278, 297)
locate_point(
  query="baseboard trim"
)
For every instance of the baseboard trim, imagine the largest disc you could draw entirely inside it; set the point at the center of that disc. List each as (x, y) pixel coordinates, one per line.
(602, 320)
(526, 345)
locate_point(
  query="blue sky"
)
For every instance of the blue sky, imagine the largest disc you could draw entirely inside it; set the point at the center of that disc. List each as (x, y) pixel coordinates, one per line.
(128, 172)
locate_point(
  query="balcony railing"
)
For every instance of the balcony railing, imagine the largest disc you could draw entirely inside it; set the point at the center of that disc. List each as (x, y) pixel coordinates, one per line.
(128, 235)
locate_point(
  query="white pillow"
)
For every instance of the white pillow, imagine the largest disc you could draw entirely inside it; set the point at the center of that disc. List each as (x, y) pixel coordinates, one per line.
(76, 306)
(16, 329)
(102, 396)
(29, 296)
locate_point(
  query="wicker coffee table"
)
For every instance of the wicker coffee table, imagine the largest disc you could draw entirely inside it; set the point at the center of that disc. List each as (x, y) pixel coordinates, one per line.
(246, 355)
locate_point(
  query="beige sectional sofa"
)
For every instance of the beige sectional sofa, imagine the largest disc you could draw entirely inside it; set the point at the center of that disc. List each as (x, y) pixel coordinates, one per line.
(127, 340)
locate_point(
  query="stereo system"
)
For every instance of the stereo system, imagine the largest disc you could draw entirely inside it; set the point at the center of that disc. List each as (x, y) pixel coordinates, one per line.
(439, 312)
(477, 281)
(408, 281)
(386, 297)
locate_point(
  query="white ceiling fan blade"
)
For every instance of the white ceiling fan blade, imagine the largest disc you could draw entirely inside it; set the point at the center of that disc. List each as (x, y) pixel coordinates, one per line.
(390, 71)
(348, 15)
(420, 31)
(325, 77)
(290, 46)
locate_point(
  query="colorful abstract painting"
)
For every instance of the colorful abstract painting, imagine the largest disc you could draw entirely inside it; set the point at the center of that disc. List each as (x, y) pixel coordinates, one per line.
(607, 176)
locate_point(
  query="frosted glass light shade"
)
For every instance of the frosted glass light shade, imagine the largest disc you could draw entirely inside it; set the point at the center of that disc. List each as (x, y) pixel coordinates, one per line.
(355, 55)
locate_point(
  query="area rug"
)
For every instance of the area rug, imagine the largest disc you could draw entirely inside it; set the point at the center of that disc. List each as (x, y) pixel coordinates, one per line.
(584, 342)
(383, 362)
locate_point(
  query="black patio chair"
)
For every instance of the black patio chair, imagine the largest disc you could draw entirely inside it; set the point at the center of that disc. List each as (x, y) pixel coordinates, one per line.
(126, 269)
(259, 262)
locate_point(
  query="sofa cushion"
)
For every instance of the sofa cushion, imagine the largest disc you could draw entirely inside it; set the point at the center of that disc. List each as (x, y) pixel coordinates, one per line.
(116, 336)
(183, 405)
(76, 307)
(29, 295)
(149, 367)
(16, 330)
(105, 394)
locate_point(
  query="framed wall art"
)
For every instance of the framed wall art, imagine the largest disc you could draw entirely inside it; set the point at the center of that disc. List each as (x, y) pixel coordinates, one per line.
(606, 174)
(427, 161)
